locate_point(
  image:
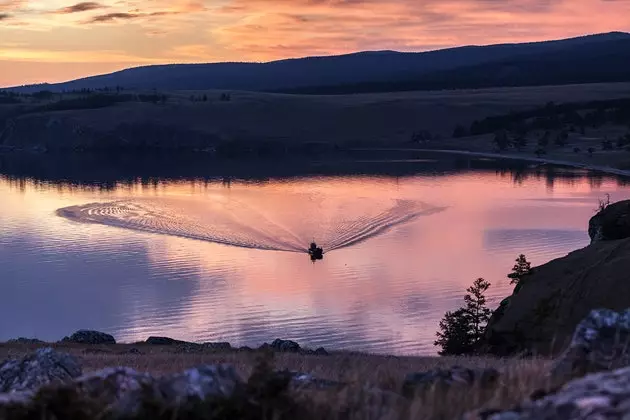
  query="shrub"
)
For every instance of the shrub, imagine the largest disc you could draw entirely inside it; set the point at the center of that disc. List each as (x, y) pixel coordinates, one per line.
(521, 268)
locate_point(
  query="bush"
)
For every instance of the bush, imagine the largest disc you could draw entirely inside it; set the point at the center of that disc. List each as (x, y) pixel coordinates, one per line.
(461, 331)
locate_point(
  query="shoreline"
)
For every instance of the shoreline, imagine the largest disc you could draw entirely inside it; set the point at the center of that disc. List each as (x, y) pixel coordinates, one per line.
(557, 162)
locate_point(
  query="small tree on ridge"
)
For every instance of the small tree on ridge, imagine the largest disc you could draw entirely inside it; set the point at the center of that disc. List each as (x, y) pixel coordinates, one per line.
(461, 331)
(521, 268)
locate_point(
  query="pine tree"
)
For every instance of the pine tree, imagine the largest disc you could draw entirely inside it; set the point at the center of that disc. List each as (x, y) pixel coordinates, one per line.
(462, 330)
(454, 336)
(521, 268)
(476, 307)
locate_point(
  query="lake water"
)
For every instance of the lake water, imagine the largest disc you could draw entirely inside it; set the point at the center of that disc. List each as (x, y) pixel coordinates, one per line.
(223, 259)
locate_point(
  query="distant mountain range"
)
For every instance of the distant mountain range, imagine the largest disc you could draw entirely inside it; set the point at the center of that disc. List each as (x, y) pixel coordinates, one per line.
(587, 59)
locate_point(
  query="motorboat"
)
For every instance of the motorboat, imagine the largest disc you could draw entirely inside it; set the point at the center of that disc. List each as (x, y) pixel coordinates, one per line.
(316, 252)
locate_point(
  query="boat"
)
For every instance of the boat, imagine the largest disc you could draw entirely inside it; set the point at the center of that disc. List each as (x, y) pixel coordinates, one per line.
(316, 252)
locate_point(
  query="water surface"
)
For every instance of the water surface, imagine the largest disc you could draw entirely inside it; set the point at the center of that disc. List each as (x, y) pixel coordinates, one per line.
(212, 259)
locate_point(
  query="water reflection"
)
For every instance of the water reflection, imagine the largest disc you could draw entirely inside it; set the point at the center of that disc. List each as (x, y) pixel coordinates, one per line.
(385, 294)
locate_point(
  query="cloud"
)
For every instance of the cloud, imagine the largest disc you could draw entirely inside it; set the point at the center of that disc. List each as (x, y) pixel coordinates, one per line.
(11, 5)
(4, 16)
(109, 17)
(80, 7)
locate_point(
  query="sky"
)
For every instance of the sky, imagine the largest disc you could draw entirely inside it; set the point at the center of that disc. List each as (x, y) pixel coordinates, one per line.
(58, 40)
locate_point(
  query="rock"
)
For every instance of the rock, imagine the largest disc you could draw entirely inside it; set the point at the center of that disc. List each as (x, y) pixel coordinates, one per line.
(40, 368)
(287, 346)
(89, 337)
(600, 396)
(600, 342)
(454, 376)
(301, 380)
(164, 341)
(123, 393)
(120, 391)
(612, 223)
(23, 340)
(542, 317)
(200, 383)
(321, 351)
(220, 346)
(245, 349)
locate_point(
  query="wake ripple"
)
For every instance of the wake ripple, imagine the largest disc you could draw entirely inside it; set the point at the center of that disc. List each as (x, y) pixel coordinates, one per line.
(242, 224)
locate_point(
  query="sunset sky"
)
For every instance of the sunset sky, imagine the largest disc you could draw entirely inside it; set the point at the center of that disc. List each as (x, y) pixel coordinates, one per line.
(56, 40)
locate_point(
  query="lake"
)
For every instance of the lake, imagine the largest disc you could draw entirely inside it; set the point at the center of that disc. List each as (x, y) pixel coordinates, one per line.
(222, 256)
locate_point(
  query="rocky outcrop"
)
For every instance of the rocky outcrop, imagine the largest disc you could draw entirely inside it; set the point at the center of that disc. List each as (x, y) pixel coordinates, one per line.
(446, 378)
(541, 318)
(89, 337)
(600, 342)
(40, 368)
(601, 396)
(611, 223)
(285, 346)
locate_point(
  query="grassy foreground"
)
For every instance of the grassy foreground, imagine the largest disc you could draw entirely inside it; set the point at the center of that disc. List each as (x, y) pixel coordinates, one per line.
(519, 378)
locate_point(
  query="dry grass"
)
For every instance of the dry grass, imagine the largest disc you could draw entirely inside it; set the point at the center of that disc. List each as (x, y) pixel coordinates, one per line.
(520, 377)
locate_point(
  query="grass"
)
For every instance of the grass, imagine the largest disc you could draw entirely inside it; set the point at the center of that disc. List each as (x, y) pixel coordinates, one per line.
(358, 400)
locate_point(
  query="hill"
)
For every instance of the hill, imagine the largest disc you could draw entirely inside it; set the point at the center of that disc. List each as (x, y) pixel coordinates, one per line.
(603, 56)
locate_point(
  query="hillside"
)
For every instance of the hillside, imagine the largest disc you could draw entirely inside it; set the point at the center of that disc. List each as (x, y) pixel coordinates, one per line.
(595, 58)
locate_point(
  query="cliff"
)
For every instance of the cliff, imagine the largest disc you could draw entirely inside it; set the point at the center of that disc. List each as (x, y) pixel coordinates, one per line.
(543, 312)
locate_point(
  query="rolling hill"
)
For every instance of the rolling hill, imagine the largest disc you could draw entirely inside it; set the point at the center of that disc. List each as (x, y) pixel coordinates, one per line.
(593, 58)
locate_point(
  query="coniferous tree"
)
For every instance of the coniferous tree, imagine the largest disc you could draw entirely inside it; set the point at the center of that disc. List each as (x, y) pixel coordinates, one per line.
(462, 330)
(521, 268)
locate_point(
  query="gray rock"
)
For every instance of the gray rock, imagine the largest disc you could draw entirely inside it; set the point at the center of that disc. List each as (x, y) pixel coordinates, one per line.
(600, 342)
(40, 368)
(454, 376)
(124, 392)
(200, 383)
(601, 396)
(321, 351)
(89, 337)
(306, 380)
(611, 223)
(222, 346)
(164, 341)
(287, 346)
(23, 340)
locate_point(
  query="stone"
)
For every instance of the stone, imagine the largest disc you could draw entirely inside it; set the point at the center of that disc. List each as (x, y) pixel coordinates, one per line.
(89, 337)
(454, 376)
(321, 352)
(287, 346)
(163, 341)
(301, 380)
(601, 396)
(40, 368)
(123, 393)
(611, 223)
(200, 383)
(219, 346)
(600, 342)
(23, 340)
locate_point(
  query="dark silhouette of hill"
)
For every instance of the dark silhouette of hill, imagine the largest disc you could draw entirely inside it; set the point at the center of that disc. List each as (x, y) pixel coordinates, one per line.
(594, 58)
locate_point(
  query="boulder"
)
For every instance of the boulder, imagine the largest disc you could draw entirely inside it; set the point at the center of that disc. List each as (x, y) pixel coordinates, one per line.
(89, 337)
(123, 393)
(601, 396)
(164, 341)
(600, 342)
(301, 380)
(40, 368)
(320, 351)
(611, 223)
(219, 346)
(542, 317)
(287, 346)
(454, 376)
(23, 340)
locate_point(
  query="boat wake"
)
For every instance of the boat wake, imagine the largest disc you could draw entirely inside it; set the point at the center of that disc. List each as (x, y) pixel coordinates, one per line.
(248, 224)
